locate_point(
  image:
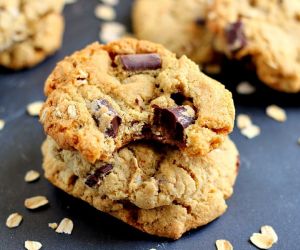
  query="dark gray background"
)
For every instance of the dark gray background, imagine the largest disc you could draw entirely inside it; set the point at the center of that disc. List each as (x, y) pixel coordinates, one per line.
(266, 192)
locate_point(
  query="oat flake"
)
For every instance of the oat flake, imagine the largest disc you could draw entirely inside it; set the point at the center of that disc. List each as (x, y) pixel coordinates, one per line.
(111, 31)
(276, 113)
(32, 245)
(31, 176)
(105, 12)
(262, 241)
(53, 225)
(110, 2)
(34, 108)
(36, 202)
(65, 226)
(243, 121)
(269, 231)
(223, 245)
(72, 111)
(245, 88)
(14, 220)
(251, 131)
(70, 1)
(2, 124)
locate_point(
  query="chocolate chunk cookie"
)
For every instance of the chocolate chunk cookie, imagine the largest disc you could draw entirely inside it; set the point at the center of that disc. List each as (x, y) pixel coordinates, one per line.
(266, 31)
(177, 24)
(106, 96)
(156, 189)
(29, 31)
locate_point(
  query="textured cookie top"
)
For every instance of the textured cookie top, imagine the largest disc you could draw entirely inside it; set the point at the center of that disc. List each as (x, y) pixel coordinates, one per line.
(181, 26)
(18, 18)
(266, 30)
(151, 176)
(105, 96)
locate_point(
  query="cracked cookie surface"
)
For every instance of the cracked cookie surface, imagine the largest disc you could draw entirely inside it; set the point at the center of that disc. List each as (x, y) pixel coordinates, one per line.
(177, 24)
(267, 31)
(106, 96)
(30, 30)
(160, 191)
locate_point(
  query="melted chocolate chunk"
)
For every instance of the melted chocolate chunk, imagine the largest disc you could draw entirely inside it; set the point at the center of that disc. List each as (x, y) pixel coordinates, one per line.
(200, 21)
(172, 122)
(138, 62)
(116, 120)
(178, 98)
(235, 36)
(99, 174)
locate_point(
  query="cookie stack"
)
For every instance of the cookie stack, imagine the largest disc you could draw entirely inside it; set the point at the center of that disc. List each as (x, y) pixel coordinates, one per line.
(262, 33)
(29, 31)
(141, 135)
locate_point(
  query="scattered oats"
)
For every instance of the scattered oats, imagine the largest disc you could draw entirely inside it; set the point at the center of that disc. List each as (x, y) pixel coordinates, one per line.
(14, 220)
(72, 111)
(110, 2)
(81, 77)
(34, 108)
(262, 241)
(245, 88)
(65, 226)
(105, 12)
(31, 176)
(223, 245)
(269, 231)
(70, 1)
(111, 31)
(2, 124)
(251, 131)
(36, 202)
(243, 121)
(213, 69)
(52, 225)
(32, 245)
(276, 113)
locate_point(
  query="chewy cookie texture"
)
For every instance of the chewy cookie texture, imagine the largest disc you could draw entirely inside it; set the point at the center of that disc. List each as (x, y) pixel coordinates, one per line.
(105, 96)
(156, 189)
(29, 31)
(264, 31)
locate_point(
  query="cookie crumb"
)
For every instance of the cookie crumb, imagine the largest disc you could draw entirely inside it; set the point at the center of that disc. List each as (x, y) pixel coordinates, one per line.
(251, 131)
(34, 108)
(31, 176)
(65, 226)
(262, 241)
(52, 225)
(105, 12)
(223, 245)
(36, 202)
(245, 88)
(14, 220)
(33, 245)
(243, 121)
(111, 31)
(110, 2)
(276, 113)
(2, 124)
(269, 231)
(72, 111)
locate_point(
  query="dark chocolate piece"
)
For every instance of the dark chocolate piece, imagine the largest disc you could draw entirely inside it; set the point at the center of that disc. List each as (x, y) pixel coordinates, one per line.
(235, 36)
(116, 120)
(138, 62)
(99, 174)
(200, 21)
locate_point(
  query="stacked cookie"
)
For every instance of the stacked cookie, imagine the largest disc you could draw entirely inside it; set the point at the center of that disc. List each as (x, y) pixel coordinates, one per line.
(264, 31)
(29, 31)
(141, 135)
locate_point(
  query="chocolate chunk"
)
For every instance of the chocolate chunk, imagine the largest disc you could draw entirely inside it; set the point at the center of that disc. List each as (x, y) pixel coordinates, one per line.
(178, 98)
(138, 62)
(115, 121)
(200, 21)
(235, 36)
(99, 174)
(172, 122)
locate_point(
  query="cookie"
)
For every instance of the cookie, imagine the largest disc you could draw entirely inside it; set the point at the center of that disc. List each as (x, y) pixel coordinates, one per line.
(160, 191)
(106, 96)
(29, 31)
(177, 24)
(264, 31)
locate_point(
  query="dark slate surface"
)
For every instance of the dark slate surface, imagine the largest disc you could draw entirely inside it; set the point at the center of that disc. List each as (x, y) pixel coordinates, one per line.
(267, 190)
